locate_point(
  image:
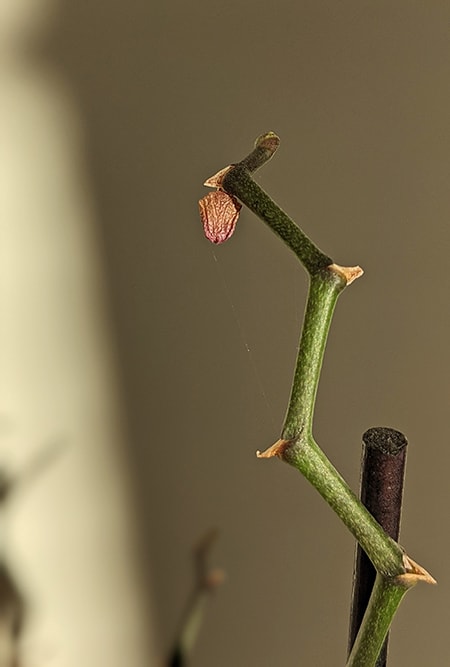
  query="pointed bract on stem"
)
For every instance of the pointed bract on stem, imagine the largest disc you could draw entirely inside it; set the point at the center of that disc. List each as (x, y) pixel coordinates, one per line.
(216, 180)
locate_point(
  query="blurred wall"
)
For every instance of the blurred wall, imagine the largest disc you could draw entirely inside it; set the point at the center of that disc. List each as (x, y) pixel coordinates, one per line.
(70, 537)
(167, 94)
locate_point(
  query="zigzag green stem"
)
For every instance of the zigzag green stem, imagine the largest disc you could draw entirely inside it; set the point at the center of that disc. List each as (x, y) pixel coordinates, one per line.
(297, 446)
(326, 283)
(302, 452)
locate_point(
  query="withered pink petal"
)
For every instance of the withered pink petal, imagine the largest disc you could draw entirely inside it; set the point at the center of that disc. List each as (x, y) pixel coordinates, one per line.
(219, 212)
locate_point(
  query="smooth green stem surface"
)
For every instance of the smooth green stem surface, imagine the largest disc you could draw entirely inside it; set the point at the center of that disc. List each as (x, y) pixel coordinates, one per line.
(385, 554)
(386, 596)
(324, 289)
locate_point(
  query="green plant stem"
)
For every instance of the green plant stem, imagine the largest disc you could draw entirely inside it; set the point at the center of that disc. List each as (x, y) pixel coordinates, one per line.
(191, 627)
(396, 572)
(301, 451)
(324, 289)
(238, 182)
(385, 554)
(386, 596)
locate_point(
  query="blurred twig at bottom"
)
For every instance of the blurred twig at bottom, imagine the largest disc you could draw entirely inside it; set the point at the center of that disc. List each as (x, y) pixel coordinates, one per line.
(206, 582)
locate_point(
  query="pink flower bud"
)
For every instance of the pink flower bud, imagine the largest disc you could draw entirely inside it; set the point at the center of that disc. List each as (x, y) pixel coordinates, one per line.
(219, 212)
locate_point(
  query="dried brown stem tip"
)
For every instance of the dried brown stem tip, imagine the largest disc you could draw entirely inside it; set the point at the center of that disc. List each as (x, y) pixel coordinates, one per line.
(270, 141)
(219, 211)
(265, 147)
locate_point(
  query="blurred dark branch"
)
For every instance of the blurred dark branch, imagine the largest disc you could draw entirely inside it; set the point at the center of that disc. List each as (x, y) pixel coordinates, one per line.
(206, 582)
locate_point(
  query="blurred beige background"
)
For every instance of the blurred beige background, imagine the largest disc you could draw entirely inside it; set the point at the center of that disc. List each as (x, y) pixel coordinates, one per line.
(127, 335)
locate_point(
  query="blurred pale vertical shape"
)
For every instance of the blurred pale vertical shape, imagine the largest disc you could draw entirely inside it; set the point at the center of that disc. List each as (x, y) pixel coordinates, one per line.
(70, 534)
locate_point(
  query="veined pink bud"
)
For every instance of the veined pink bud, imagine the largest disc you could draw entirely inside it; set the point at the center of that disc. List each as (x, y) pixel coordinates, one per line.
(219, 212)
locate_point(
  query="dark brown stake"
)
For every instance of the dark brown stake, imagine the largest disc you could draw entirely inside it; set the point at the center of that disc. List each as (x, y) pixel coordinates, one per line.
(382, 474)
